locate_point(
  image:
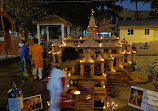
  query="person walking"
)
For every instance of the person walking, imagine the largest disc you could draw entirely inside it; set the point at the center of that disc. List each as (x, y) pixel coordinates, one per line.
(25, 59)
(36, 59)
(56, 81)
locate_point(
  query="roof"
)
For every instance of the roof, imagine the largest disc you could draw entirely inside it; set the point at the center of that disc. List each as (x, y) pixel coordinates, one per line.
(92, 21)
(99, 58)
(104, 29)
(69, 38)
(87, 59)
(52, 19)
(138, 22)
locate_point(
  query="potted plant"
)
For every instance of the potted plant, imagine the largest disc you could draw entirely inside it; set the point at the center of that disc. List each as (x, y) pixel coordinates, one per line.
(152, 69)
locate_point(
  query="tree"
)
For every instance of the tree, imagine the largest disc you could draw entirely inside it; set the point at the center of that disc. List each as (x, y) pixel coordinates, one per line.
(153, 4)
(136, 1)
(24, 12)
(79, 12)
(152, 69)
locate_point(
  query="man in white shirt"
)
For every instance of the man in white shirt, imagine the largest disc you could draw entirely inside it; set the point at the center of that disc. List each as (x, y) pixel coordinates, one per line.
(56, 82)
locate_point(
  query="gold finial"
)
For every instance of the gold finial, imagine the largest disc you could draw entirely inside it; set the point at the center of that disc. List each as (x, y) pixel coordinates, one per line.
(92, 11)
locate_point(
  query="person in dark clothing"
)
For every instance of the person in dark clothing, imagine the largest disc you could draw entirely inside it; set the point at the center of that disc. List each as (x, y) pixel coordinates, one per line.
(134, 48)
(25, 59)
(44, 54)
(146, 46)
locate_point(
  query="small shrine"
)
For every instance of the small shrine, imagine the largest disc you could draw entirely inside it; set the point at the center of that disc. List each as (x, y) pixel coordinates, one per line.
(49, 22)
(104, 63)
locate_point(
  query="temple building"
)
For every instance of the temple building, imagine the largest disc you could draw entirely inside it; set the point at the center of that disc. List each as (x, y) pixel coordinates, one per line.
(103, 63)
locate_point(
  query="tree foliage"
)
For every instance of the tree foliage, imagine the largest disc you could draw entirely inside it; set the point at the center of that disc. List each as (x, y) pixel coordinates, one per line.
(24, 12)
(153, 3)
(79, 12)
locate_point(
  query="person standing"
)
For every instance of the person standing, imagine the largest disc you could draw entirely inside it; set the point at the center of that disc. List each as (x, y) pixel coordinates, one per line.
(44, 54)
(25, 59)
(21, 43)
(36, 59)
(56, 81)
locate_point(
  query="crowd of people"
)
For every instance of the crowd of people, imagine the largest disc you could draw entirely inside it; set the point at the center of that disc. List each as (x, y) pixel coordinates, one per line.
(32, 59)
(140, 46)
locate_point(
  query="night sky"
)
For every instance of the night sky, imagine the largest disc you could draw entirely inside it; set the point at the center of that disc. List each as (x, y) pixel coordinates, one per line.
(141, 6)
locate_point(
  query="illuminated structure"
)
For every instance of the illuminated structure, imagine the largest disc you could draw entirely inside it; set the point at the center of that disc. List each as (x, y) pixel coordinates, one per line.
(104, 62)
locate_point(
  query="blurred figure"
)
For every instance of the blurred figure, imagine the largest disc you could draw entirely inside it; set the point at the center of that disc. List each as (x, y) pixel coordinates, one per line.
(36, 59)
(146, 46)
(140, 46)
(25, 59)
(56, 82)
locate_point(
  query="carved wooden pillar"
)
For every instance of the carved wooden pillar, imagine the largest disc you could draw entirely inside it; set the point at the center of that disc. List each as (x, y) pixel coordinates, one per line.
(102, 67)
(111, 64)
(133, 57)
(92, 69)
(59, 59)
(120, 50)
(117, 61)
(82, 70)
(128, 58)
(73, 69)
(53, 55)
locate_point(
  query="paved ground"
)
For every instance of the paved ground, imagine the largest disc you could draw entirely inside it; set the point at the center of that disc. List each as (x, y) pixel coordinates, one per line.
(10, 71)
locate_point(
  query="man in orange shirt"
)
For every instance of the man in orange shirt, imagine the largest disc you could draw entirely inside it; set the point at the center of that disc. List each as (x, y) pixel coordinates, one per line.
(36, 59)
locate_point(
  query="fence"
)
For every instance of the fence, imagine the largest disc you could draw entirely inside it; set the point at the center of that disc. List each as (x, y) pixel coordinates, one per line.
(9, 44)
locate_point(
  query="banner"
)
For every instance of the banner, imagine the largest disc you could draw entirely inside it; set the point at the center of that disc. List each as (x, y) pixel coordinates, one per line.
(143, 99)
